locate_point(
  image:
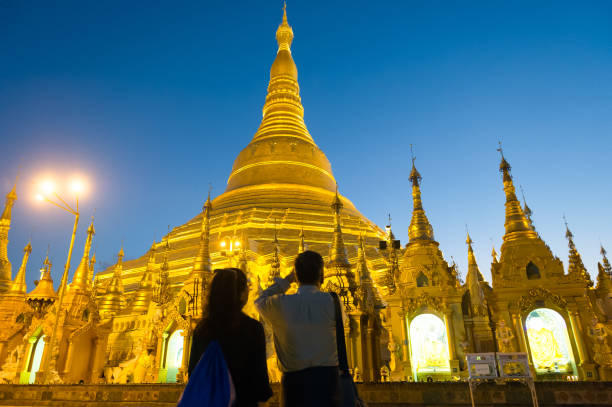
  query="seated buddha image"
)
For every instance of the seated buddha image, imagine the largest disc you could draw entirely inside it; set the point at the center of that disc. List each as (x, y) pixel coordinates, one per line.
(545, 349)
(429, 336)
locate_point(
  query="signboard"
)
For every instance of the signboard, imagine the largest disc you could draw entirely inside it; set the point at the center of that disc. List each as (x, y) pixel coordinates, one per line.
(513, 365)
(482, 365)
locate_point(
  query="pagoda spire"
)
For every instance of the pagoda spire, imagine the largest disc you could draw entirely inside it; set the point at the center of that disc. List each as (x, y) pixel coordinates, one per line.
(368, 299)
(275, 266)
(113, 298)
(144, 294)
(575, 265)
(604, 283)
(81, 280)
(474, 279)
(337, 253)
(527, 210)
(283, 102)
(302, 246)
(19, 286)
(243, 260)
(606, 263)
(92, 263)
(516, 223)
(420, 228)
(494, 255)
(6, 275)
(202, 268)
(363, 273)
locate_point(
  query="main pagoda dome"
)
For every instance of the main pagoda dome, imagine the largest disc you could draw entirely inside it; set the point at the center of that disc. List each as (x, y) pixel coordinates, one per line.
(278, 195)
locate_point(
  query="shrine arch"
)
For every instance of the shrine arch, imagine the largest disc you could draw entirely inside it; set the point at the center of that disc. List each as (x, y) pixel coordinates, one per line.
(173, 355)
(549, 343)
(429, 352)
(34, 357)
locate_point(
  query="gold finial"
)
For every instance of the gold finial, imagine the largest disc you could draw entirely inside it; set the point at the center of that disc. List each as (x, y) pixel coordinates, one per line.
(284, 33)
(469, 240)
(415, 177)
(568, 233)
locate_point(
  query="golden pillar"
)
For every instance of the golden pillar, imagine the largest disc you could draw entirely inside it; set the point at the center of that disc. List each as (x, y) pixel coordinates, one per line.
(450, 331)
(586, 369)
(406, 364)
(185, 359)
(69, 357)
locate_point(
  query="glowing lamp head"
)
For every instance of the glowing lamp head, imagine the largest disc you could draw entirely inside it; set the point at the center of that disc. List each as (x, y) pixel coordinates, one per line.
(47, 187)
(237, 243)
(39, 197)
(223, 243)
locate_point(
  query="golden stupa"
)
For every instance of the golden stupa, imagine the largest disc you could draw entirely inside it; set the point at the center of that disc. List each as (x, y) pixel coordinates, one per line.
(280, 181)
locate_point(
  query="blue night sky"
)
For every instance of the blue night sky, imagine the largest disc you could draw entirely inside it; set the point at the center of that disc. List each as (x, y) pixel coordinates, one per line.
(153, 100)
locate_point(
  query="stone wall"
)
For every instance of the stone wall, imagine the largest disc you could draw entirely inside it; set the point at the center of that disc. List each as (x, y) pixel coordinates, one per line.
(376, 395)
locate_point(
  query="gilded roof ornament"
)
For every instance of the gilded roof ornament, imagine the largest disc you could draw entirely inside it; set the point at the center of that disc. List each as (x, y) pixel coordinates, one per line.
(420, 229)
(337, 254)
(81, 280)
(6, 273)
(19, 286)
(516, 224)
(44, 290)
(474, 278)
(575, 265)
(606, 263)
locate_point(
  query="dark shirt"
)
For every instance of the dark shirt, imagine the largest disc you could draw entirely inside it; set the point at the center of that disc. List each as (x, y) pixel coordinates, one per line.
(245, 354)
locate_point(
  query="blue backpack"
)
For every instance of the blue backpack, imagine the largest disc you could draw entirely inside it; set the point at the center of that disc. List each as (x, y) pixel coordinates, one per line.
(210, 383)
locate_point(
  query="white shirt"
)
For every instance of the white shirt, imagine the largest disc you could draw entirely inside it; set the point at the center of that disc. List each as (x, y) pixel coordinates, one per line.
(304, 325)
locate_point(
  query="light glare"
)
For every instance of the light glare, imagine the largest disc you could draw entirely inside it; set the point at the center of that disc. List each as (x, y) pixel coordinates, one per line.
(48, 187)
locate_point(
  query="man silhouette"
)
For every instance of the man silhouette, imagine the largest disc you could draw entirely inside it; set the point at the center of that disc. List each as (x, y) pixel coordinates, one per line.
(304, 335)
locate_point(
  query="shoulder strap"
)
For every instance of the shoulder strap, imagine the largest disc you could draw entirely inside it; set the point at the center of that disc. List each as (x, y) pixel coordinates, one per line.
(340, 341)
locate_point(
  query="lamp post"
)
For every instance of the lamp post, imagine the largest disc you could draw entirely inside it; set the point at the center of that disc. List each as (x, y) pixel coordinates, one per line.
(230, 246)
(48, 194)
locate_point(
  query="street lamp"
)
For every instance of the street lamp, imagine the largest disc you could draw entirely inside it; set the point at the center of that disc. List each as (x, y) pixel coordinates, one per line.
(230, 246)
(48, 193)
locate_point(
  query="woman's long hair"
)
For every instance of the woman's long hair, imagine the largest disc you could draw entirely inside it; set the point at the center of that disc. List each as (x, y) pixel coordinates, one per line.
(224, 304)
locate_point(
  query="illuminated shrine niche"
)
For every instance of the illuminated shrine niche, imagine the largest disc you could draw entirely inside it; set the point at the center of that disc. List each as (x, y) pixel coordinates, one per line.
(428, 346)
(549, 342)
(37, 353)
(174, 356)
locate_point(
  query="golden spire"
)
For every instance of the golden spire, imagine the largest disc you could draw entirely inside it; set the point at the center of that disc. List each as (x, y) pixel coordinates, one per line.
(282, 150)
(302, 246)
(337, 253)
(283, 104)
(472, 265)
(494, 255)
(201, 265)
(162, 292)
(92, 263)
(474, 278)
(275, 266)
(368, 300)
(113, 299)
(575, 265)
(44, 291)
(362, 266)
(144, 294)
(516, 224)
(420, 228)
(604, 283)
(19, 286)
(527, 210)
(81, 280)
(606, 264)
(6, 274)
(243, 260)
